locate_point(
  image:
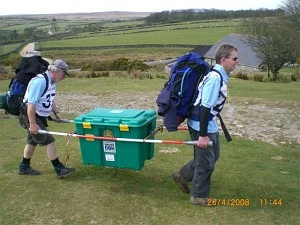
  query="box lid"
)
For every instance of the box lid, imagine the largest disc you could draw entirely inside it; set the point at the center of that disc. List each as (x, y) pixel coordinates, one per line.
(115, 117)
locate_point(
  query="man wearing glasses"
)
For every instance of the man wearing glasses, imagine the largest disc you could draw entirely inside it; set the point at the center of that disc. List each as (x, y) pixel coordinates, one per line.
(38, 103)
(203, 127)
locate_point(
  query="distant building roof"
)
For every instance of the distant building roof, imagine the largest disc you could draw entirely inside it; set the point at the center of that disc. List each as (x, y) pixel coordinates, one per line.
(247, 56)
(202, 49)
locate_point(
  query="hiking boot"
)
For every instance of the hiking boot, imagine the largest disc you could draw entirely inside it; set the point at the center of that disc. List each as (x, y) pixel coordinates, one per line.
(183, 184)
(203, 201)
(25, 169)
(63, 171)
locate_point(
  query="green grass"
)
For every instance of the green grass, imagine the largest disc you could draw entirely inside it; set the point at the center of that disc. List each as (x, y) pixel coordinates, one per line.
(250, 170)
(264, 90)
(246, 170)
(194, 36)
(127, 33)
(8, 48)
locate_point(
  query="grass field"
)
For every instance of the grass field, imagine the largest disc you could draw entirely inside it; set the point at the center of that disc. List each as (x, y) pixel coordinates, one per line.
(125, 33)
(195, 36)
(257, 183)
(8, 48)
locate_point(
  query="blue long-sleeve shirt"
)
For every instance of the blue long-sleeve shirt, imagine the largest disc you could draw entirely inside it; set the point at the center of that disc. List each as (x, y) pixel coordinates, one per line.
(209, 97)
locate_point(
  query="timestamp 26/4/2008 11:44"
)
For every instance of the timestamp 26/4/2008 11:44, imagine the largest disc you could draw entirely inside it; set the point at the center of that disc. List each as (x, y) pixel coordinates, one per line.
(244, 202)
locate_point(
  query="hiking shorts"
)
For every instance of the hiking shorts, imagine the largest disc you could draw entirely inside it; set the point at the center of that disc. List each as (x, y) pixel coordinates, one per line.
(41, 139)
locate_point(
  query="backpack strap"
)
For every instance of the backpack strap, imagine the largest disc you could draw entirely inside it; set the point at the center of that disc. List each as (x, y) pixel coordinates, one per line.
(11, 81)
(46, 88)
(47, 83)
(221, 81)
(182, 81)
(224, 128)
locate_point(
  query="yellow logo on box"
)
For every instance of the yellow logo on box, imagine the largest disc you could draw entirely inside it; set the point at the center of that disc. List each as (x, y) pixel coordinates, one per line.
(108, 133)
(87, 125)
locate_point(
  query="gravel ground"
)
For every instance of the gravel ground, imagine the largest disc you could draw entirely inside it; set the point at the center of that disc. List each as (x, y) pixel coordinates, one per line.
(271, 122)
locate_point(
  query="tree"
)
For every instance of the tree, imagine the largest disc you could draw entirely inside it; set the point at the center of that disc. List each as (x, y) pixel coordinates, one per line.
(54, 25)
(276, 39)
(292, 12)
(29, 32)
(292, 16)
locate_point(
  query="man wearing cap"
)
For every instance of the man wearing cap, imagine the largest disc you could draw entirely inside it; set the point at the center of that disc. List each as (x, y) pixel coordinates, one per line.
(38, 105)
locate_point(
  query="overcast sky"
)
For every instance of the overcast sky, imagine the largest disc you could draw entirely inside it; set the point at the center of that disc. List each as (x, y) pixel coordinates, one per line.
(13, 7)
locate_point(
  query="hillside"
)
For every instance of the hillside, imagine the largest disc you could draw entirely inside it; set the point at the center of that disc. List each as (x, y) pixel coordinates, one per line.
(113, 15)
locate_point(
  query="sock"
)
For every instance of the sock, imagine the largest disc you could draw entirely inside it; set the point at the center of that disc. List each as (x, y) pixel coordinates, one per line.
(55, 162)
(26, 161)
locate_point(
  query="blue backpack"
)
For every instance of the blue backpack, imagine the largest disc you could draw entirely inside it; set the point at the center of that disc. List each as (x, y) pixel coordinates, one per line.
(177, 96)
(15, 95)
(28, 68)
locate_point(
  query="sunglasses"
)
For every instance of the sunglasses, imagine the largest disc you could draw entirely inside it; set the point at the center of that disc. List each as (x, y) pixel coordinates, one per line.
(234, 58)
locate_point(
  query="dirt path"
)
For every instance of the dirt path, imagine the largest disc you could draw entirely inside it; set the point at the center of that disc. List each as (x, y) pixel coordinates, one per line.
(274, 123)
(29, 51)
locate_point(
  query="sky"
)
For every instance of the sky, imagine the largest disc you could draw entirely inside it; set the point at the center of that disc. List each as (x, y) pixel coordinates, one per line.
(16, 7)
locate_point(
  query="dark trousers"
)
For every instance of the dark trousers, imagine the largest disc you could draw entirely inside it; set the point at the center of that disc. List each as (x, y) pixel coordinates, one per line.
(200, 168)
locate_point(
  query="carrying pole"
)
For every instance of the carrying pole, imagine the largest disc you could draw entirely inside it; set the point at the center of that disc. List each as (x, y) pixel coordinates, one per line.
(60, 120)
(91, 137)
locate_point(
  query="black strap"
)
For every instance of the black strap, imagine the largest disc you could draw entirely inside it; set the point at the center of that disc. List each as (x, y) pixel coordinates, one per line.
(47, 83)
(221, 78)
(226, 133)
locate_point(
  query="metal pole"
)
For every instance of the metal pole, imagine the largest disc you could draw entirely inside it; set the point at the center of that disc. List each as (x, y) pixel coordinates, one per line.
(92, 137)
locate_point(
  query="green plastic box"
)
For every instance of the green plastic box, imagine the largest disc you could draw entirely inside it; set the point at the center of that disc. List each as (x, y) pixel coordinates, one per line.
(116, 123)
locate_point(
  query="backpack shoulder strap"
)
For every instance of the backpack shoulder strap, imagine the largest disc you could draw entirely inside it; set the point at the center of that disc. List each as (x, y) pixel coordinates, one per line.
(226, 133)
(47, 83)
(224, 128)
(11, 81)
(221, 81)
